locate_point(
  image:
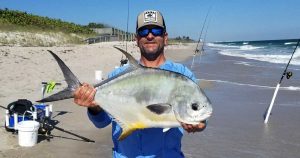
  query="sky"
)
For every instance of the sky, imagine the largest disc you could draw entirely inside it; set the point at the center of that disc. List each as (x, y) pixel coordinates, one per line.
(228, 20)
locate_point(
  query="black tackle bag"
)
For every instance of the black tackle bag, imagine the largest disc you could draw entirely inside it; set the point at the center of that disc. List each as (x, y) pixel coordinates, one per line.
(20, 107)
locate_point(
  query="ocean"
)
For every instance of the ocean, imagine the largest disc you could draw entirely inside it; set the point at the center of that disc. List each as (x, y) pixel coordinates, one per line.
(264, 54)
(270, 51)
(243, 76)
(269, 55)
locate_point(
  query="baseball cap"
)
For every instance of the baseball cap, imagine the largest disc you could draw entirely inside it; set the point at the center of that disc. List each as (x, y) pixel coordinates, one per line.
(150, 17)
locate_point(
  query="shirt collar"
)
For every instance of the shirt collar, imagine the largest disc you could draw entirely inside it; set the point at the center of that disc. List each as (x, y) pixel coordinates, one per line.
(167, 62)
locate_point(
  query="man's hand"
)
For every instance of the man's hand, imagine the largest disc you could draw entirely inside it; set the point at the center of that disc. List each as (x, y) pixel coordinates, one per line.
(84, 96)
(194, 128)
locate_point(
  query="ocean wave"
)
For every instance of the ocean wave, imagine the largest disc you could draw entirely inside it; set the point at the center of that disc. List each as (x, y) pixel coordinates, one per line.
(243, 63)
(245, 46)
(290, 88)
(271, 58)
(221, 45)
(289, 43)
(297, 53)
(249, 47)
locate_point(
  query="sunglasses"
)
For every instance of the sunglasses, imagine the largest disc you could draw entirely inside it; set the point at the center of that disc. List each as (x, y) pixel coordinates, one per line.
(156, 31)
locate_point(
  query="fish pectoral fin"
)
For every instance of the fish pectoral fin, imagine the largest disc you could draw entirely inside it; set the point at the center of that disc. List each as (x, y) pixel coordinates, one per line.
(160, 108)
(166, 129)
(127, 130)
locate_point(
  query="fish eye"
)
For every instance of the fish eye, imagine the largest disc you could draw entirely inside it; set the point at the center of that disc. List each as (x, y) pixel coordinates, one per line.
(195, 106)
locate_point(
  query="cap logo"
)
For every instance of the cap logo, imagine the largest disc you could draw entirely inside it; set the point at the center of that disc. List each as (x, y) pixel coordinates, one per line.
(150, 16)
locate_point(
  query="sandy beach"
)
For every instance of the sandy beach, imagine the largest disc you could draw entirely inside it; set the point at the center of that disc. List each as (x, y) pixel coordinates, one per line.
(24, 68)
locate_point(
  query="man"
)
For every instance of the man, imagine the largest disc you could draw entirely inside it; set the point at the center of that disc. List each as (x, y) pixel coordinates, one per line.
(152, 142)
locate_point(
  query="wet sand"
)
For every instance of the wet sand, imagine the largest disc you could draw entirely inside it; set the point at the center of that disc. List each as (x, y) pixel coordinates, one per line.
(240, 96)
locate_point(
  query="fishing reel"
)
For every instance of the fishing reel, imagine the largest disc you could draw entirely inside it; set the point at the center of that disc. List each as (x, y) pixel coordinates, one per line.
(123, 61)
(288, 75)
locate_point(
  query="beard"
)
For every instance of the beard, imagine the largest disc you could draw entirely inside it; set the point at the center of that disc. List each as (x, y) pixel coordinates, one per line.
(151, 55)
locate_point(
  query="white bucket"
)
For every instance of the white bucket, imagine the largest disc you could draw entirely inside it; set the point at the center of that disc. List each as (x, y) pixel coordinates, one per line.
(28, 133)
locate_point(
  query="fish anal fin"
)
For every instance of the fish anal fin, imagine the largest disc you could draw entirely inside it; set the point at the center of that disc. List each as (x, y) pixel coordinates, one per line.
(160, 108)
(127, 130)
(125, 133)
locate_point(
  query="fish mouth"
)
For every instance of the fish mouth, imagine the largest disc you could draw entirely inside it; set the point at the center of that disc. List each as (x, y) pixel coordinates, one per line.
(194, 121)
(191, 123)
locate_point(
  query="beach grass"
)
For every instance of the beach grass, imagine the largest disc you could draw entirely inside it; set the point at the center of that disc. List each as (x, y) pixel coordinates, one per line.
(33, 37)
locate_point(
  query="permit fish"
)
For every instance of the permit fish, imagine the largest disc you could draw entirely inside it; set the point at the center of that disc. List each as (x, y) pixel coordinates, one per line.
(143, 97)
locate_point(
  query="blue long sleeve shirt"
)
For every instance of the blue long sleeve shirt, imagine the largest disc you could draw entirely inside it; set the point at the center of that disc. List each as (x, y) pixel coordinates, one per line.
(150, 142)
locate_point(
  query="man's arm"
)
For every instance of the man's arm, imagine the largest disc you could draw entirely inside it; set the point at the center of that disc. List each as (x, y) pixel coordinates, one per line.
(95, 110)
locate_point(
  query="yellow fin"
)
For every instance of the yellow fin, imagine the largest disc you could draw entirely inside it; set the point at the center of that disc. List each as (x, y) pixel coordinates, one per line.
(126, 131)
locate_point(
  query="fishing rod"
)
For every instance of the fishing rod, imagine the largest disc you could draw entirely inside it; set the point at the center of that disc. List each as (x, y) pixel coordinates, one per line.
(76, 135)
(199, 40)
(3, 107)
(288, 75)
(204, 40)
(49, 127)
(124, 61)
(127, 24)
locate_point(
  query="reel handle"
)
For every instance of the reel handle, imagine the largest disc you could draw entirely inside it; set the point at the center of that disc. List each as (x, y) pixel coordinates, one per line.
(45, 83)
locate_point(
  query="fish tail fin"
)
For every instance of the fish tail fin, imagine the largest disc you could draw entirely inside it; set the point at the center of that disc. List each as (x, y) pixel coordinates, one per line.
(70, 78)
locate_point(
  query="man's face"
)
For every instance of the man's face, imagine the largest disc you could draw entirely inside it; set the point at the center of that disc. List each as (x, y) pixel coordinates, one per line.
(151, 41)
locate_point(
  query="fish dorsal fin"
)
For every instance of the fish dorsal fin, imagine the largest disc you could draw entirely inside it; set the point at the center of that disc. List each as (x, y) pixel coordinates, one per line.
(160, 108)
(131, 59)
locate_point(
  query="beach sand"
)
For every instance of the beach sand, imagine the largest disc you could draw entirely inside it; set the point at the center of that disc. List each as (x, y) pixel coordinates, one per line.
(24, 68)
